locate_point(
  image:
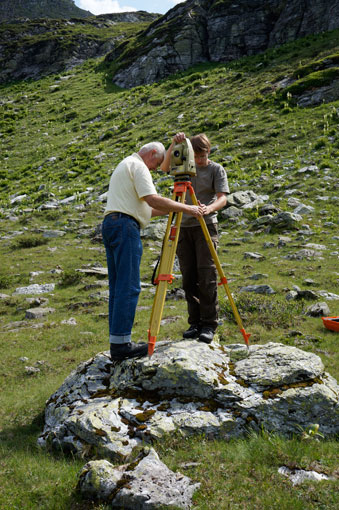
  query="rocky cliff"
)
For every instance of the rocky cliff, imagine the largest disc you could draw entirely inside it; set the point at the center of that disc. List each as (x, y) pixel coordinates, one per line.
(33, 48)
(32, 9)
(217, 31)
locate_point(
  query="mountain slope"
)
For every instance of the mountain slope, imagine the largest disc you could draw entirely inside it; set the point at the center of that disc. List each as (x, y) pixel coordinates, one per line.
(216, 31)
(32, 9)
(71, 129)
(33, 48)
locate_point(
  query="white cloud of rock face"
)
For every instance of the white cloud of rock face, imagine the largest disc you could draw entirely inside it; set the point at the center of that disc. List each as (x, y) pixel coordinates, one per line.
(103, 6)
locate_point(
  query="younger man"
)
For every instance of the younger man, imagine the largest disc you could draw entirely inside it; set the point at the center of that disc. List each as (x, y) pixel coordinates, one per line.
(199, 274)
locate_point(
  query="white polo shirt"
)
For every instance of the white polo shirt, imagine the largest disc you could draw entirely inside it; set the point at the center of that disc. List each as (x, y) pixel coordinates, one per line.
(130, 182)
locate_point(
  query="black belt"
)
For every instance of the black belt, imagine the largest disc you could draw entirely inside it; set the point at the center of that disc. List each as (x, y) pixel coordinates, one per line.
(115, 215)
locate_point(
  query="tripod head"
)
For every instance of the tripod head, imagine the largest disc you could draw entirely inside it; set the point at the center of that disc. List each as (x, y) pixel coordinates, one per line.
(182, 161)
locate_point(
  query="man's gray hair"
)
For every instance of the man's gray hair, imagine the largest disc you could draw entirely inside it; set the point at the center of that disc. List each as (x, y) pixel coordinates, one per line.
(157, 146)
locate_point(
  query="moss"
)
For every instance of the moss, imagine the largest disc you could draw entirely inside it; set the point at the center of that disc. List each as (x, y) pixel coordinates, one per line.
(100, 432)
(146, 415)
(267, 394)
(222, 379)
(242, 383)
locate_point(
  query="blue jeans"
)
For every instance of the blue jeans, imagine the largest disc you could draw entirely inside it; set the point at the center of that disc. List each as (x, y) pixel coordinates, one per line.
(123, 245)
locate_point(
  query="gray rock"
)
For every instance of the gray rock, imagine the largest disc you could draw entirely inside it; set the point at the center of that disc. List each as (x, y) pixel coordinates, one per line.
(298, 476)
(241, 198)
(293, 202)
(51, 234)
(32, 370)
(261, 199)
(38, 313)
(320, 95)
(328, 295)
(281, 221)
(258, 289)
(309, 281)
(286, 220)
(35, 289)
(318, 310)
(308, 169)
(304, 254)
(253, 255)
(307, 294)
(258, 276)
(231, 212)
(143, 484)
(18, 199)
(110, 408)
(291, 295)
(316, 247)
(154, 230)
(303, 209)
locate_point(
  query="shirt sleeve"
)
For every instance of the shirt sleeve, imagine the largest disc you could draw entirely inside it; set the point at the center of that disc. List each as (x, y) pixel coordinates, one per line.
(143, 181)
(220, 180)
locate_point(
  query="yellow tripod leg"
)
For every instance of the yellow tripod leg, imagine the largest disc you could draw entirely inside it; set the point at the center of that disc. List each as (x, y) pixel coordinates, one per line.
(164, 275)
(223, 279)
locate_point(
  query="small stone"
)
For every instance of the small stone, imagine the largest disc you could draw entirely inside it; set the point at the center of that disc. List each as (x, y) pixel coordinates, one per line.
(258, 289)
(254, 256)
(318, 310)
(32, 370)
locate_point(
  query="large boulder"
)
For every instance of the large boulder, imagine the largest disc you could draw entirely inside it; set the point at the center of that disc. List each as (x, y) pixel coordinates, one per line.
(108, 408)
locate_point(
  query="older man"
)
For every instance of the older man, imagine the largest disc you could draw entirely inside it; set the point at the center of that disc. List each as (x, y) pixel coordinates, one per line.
(131, 202)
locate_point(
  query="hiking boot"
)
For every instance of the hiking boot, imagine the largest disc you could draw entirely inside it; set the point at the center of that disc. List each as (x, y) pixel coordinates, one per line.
(192, 332)
(206, 335)
(128, 350)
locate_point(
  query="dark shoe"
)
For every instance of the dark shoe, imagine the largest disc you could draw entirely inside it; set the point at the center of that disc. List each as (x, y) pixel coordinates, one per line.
(128, 350)
(206, 335)
(192, 332)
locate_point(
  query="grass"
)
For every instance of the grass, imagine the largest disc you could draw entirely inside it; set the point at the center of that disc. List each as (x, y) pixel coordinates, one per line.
(63, 137)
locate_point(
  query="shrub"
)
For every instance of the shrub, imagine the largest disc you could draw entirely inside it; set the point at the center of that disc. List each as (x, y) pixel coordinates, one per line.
(5, 281)
(268, 311)
(70, 277)
(319, 144)
(29, 241)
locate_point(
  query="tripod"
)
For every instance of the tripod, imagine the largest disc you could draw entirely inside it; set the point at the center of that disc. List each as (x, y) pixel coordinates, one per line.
(165, 276)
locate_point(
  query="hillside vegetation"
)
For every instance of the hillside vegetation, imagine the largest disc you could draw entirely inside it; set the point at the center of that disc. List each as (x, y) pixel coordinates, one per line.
(60, 138)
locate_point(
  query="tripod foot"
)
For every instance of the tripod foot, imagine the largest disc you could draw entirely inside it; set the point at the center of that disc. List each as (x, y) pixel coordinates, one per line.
(151, 344)
(246, 337)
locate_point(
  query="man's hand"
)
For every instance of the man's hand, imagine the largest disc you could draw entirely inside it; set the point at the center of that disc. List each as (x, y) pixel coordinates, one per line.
(195, 210)
(179, 137)
(204, 208)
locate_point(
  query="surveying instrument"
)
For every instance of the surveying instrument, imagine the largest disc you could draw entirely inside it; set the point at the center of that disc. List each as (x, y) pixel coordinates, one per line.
(182, 169)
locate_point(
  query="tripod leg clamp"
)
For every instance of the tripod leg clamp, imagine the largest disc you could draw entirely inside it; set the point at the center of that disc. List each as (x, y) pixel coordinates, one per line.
(164, 278)
(223, 281)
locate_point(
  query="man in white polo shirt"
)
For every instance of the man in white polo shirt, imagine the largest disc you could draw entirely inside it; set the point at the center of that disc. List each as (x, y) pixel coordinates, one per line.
(131, 202)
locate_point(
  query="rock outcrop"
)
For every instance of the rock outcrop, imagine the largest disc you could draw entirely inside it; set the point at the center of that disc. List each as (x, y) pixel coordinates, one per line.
(13, 9)
(217, 31)
(107, 409)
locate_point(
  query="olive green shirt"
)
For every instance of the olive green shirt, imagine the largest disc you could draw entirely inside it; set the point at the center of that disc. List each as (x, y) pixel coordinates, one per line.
(209, 181)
